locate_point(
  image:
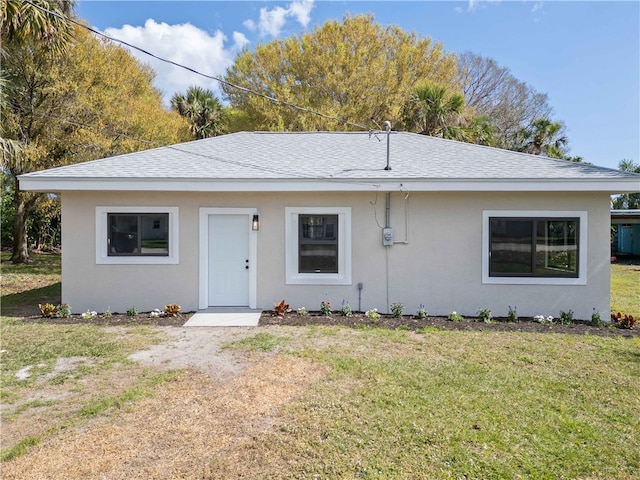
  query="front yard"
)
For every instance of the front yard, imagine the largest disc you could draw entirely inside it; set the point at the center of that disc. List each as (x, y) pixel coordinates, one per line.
(317, 401)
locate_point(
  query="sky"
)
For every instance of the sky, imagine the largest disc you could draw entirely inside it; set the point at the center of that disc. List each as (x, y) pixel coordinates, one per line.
(584, 55)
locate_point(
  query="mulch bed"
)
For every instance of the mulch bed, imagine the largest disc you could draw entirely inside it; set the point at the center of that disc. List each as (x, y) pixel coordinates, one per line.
(358, 320)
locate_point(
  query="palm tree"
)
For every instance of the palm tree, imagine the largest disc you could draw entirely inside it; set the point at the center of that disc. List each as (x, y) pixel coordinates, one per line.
(432, 111)
(544, 137)
(22, 21)
(627, 201)
(202, 109)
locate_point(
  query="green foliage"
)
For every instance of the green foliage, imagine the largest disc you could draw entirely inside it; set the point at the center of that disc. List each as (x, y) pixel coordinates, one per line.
(93, 101)
(566, 317)
(512, 315)
(325, 308)
(63, 311)
(133, 311)
(355, 69)
(596, 321)
(627, 201)
(422, 312)
(397, 309)
(455, 317)
(372, 314)
(345, 309)
(202, 109)
(484, 314)
(432, 110)
(302, 312)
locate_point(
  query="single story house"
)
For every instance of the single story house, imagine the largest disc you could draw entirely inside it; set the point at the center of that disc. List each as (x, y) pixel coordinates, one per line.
(249, 219)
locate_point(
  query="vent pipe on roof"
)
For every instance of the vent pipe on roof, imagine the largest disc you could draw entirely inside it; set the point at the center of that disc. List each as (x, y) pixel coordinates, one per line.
(387, 128)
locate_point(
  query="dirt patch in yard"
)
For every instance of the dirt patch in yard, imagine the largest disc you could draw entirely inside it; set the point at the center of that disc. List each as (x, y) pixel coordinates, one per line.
(182, 432)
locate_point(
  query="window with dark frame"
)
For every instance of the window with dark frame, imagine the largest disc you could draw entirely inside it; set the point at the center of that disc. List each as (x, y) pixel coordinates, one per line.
(317, 243)
(138, 234)
(533, 247)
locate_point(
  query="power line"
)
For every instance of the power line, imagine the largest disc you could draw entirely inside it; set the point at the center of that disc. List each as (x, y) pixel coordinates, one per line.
(192, 70)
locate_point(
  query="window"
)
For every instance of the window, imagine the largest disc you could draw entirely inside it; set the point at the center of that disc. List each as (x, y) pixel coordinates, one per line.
(534, 247)
(318, 242)
(136, 235)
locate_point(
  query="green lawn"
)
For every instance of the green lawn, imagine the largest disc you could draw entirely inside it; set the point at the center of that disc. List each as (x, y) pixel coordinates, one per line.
(450, 405)
(625, 288)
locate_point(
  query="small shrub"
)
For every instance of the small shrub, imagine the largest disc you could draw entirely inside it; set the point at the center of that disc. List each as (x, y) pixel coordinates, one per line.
(88, 315)
(302, 311)
(107, 312)
(63, 311)
(172, 310)
(512, 316)
(280, 309)
(422, 312)
(454, 317)
(372, 314)
(623, 320)
(325, 308)
(485, 315)
(566, 317)
(48, 310)
(397, 309)
(596, 321)
(345, 309)
(133, 311)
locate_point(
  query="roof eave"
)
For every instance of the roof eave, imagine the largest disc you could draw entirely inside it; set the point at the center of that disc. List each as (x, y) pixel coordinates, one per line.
(62, 184)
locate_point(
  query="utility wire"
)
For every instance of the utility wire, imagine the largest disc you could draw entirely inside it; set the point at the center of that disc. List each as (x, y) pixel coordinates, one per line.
(192, 70)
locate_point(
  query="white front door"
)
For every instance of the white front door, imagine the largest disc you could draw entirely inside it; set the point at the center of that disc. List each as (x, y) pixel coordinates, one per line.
(228, 253)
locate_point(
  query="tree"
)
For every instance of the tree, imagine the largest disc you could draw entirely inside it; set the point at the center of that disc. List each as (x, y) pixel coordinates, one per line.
(94, 101)
(494, 94)
(431, 110)
(23, 22)
(202, 110)
(544, 137)
(627, 201)
(354, 70)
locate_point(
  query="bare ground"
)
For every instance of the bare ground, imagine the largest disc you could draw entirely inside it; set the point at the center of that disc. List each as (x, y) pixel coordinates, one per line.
(212, 412)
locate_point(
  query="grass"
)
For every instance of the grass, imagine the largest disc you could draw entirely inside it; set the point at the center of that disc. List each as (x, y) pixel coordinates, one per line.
(26, 285)
(395, 404)
(625, 278)
(468, 405)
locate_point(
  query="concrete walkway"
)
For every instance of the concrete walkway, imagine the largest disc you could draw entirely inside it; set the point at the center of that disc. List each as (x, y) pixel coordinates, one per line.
(225, 317)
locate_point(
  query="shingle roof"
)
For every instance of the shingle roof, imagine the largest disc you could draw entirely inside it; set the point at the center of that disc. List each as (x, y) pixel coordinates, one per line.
(327, 156)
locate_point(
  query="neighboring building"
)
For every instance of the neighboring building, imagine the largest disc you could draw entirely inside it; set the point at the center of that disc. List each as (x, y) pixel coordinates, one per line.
(627, 239)
(249, 219)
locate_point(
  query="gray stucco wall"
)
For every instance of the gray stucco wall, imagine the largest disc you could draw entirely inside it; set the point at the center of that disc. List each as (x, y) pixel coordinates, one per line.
(440, 266)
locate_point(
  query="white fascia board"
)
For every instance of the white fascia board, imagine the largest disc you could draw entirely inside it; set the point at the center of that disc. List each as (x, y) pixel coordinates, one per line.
(52, 184)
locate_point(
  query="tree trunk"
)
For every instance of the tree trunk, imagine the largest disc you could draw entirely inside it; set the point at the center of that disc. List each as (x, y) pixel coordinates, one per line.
(24, 205)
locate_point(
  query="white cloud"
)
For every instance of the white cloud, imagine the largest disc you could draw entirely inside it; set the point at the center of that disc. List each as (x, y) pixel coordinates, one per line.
(537, 6)
(186, 45)
(272, 21)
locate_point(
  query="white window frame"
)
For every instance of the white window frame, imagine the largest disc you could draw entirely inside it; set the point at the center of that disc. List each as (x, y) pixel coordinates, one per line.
(583, 229)
(102, 250)
(293, 277)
